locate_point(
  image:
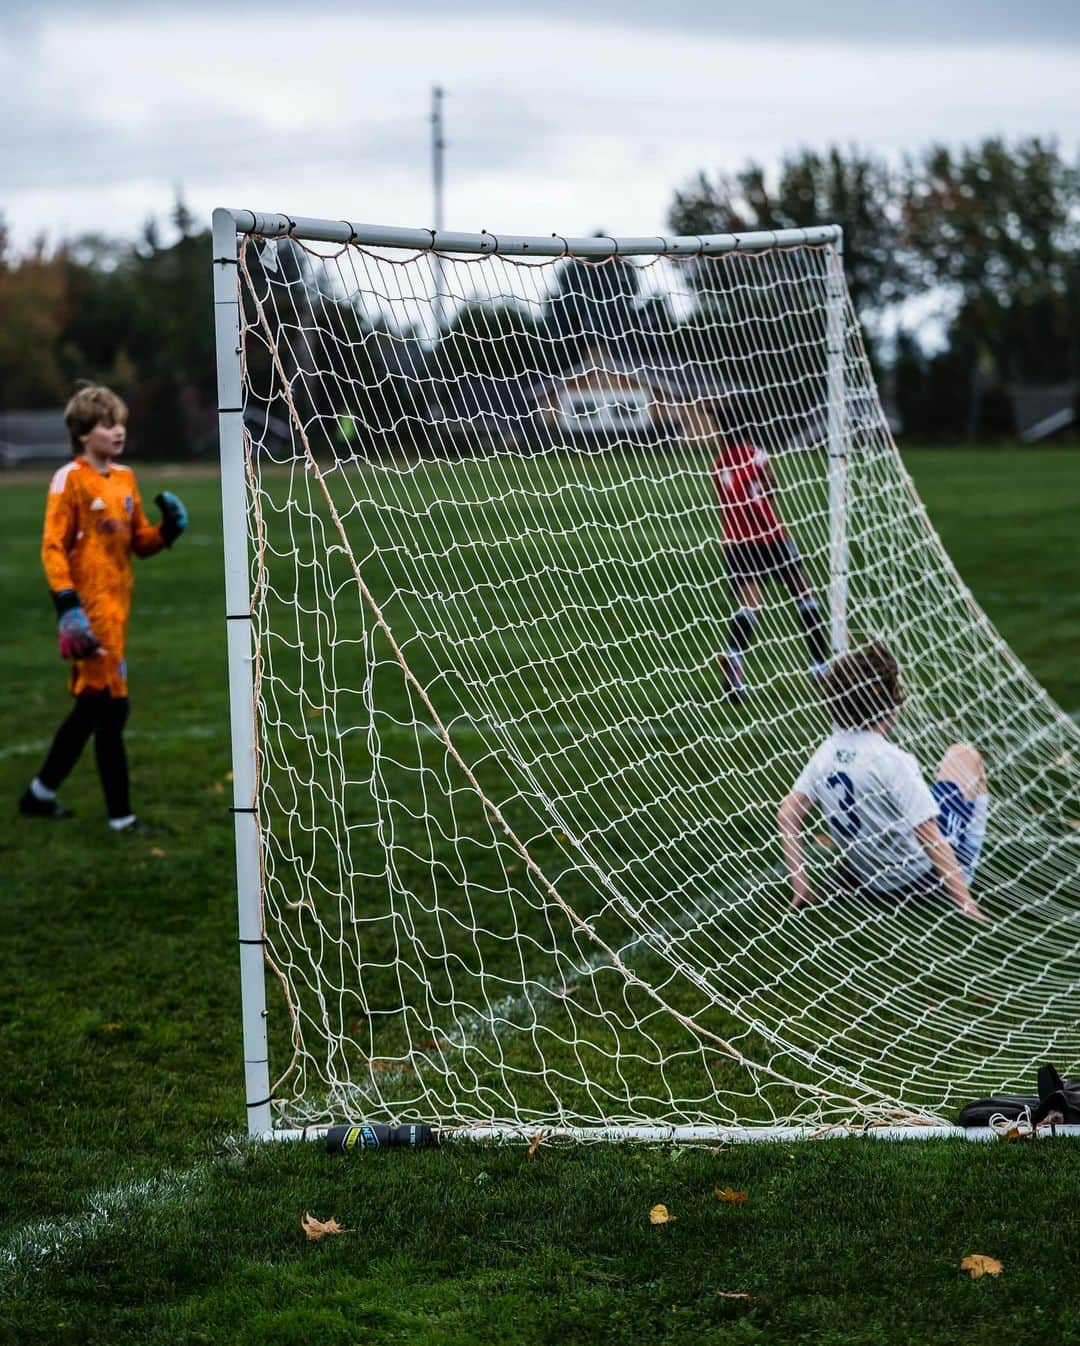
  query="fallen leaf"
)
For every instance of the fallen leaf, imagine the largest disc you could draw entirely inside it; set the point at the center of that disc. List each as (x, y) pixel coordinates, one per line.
(381, 1066)
(357, 1026)
(732, 1294)
(318, 1229)
(1012, 1133)
(537, 1141)
(157, 852)
(729, 1194)
(217, 788)
(431, 1045)
(1072, 822)
(660, 1215)
(978, 1264)
(113, 1027)
(823, 839)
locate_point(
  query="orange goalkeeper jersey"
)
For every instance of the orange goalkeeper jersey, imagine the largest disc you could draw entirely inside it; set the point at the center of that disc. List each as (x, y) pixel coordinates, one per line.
(93, 522)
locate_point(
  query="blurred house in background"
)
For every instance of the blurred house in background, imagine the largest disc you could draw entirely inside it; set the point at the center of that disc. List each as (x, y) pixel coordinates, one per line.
(32, 437)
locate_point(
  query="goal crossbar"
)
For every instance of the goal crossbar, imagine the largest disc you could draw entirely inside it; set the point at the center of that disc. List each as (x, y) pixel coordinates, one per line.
(274, 225)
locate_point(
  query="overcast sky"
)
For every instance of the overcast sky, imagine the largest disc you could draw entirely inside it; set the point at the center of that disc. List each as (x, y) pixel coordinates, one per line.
(554, 123)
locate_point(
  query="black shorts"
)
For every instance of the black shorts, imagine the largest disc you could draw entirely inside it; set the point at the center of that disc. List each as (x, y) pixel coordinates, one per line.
(776, 558)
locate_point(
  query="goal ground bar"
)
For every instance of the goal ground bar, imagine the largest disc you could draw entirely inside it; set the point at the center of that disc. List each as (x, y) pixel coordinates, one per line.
(694, 1135)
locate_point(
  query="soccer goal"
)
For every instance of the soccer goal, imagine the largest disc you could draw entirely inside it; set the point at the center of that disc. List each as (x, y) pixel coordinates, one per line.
(505, 828)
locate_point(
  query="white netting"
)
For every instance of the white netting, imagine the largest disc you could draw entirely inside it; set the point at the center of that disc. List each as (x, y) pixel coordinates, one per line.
(520, 852)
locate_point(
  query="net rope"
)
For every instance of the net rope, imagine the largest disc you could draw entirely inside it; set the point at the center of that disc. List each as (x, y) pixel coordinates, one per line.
(520, 862)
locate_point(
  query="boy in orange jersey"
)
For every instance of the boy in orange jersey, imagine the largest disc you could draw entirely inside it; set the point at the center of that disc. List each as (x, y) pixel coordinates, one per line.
(94, 520)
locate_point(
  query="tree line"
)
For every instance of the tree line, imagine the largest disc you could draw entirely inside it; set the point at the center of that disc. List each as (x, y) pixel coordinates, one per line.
(963, 265)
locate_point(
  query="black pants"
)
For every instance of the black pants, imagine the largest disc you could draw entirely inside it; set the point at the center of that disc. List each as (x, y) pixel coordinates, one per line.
(104, 716)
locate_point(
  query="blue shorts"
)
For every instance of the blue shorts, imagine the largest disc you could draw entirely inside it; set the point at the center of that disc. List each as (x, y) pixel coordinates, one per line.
(963, 825)
(959, 825)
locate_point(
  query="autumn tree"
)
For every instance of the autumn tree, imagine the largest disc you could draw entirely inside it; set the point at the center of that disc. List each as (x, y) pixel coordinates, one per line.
(996, 230)
(858, 191)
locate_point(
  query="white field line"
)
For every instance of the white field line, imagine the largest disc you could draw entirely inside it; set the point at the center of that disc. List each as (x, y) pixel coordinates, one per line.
(191, 731)
(31, 1248)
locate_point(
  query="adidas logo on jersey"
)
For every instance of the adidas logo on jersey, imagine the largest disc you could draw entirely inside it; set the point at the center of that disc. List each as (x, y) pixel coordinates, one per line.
(97, 503)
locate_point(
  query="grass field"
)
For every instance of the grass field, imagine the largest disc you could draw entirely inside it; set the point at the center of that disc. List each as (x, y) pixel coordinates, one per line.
(131, 1213)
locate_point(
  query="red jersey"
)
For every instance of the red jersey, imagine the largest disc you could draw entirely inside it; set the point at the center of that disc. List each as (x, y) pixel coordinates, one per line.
(742, 485)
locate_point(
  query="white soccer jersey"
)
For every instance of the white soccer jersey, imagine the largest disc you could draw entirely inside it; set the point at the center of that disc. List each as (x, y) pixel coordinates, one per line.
(873, 796)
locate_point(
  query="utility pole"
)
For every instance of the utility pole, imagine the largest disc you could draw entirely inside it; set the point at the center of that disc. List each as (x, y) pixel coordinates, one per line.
(438, 145)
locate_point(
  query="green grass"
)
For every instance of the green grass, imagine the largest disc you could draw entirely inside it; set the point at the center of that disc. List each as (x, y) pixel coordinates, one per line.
(131, 1214)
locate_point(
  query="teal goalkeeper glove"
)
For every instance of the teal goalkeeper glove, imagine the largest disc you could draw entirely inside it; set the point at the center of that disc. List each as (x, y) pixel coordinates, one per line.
(174, 517)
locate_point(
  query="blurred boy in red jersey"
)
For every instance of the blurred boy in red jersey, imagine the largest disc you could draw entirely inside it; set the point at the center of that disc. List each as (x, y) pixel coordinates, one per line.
(757, 548)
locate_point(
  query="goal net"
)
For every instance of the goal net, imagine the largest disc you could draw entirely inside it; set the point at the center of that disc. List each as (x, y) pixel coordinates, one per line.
(506, 806)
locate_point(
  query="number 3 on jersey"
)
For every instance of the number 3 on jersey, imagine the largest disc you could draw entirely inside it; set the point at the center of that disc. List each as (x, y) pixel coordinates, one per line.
(843, 818)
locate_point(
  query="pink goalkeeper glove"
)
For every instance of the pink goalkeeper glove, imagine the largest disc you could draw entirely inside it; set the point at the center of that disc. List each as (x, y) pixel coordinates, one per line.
(77, 639)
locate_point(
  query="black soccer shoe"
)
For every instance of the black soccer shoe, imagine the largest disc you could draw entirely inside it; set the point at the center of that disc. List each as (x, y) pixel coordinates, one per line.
(732, 676)
(32, 807)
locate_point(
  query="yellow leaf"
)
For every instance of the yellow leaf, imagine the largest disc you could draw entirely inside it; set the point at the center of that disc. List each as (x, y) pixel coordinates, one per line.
(729, 1194)
(382, 1065)
(318, 1229)
(111, 1027)
(978, 1264)
(660, 1215)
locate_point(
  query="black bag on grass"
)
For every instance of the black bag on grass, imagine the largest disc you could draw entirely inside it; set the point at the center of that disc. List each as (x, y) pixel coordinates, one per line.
(1058, 1100)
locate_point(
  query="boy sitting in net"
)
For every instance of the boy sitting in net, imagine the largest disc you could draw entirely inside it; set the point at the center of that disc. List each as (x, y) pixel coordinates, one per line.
(94, 520)
(897, 837)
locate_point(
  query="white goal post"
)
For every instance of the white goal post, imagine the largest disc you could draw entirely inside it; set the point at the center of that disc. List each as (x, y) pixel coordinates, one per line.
(505, 817)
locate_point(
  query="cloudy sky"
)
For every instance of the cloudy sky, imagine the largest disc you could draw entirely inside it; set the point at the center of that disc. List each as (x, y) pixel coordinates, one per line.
(561, 116)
